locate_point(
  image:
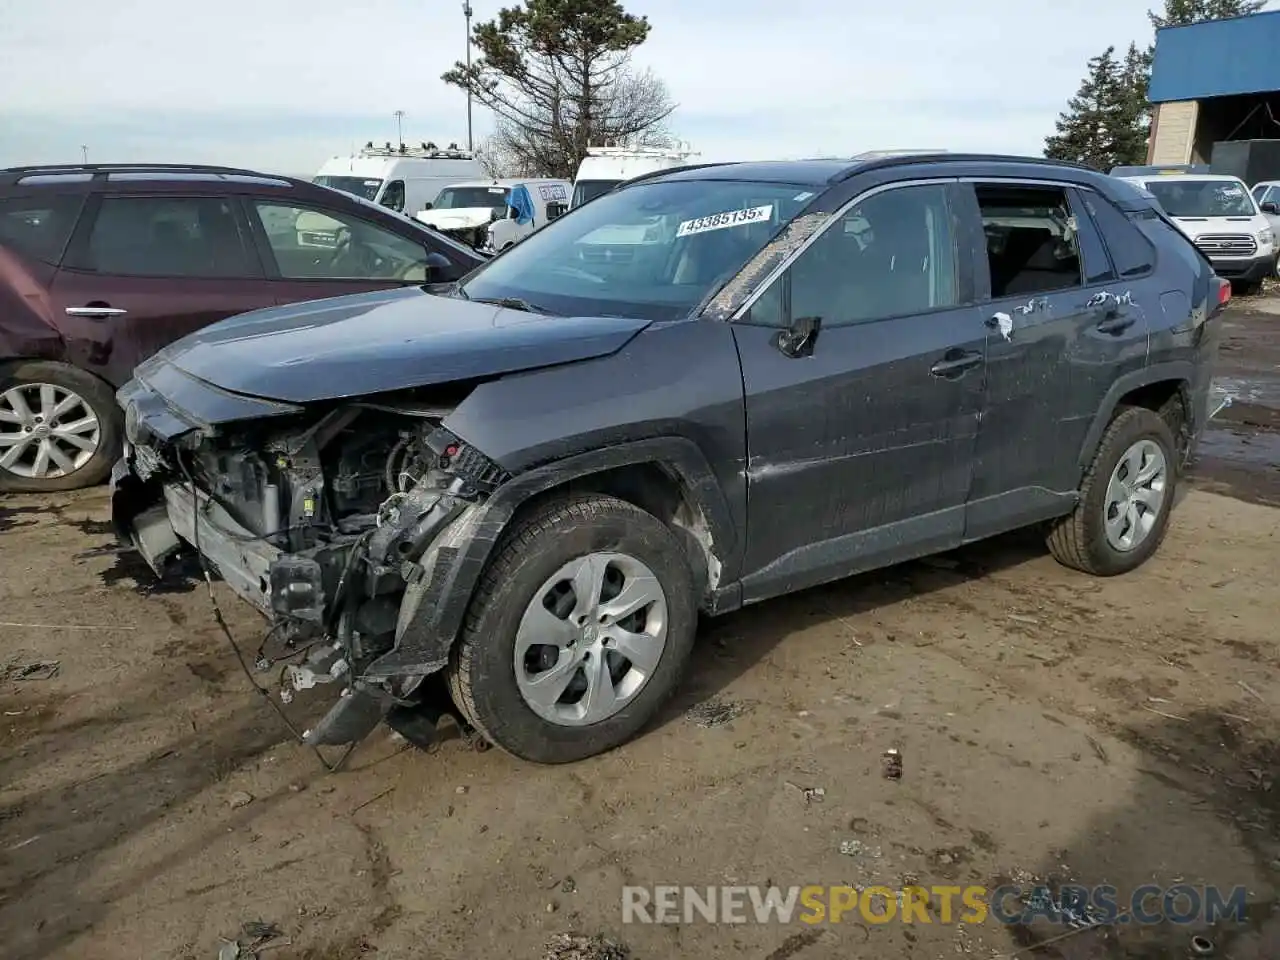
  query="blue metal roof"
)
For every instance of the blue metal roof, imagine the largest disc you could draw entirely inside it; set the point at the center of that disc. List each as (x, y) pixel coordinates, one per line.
(1220, 58)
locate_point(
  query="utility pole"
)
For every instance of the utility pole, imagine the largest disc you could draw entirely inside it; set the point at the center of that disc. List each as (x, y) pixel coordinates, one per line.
(84, 152)
(466, 12)
(399, 115)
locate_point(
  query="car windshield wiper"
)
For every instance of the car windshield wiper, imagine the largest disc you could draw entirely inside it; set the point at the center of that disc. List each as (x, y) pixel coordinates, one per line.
(512, 303)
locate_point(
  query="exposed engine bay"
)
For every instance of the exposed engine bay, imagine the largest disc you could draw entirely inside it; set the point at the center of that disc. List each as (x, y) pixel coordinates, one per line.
(322, 525)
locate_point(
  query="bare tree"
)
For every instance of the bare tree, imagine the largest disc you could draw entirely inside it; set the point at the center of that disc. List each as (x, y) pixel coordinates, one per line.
(557, 74)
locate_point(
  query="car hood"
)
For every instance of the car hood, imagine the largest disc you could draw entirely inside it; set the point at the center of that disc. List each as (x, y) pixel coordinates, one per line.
(373, 343)
(457, 219)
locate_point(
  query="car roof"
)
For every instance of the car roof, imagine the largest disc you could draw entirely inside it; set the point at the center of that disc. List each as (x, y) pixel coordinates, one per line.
(826, 171)
(163, 177)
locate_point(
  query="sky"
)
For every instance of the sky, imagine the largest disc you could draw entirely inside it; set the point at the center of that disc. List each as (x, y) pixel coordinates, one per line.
(281, 85)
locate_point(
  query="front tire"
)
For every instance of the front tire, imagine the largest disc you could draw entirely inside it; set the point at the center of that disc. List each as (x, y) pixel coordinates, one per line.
(60, 427)
(580, 629)
(1125, 499)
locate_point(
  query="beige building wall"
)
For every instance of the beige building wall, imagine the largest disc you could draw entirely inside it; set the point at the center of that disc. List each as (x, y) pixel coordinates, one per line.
(1174, 132)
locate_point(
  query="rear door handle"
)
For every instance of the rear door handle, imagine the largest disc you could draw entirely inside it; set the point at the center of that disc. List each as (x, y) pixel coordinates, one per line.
(954, 365)
(1116, 324)
(97, 312)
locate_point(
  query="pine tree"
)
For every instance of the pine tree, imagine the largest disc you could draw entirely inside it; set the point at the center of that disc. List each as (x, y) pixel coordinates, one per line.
(1180, 12)
(1108, 122)
(1085, 128)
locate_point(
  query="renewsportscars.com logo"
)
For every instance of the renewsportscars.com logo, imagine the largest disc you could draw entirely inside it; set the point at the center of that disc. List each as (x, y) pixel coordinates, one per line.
(1011, 904)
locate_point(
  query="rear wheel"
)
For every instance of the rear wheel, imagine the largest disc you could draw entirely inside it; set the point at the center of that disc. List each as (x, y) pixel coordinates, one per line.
(1125, 499)
(579, 631)
(59, 427)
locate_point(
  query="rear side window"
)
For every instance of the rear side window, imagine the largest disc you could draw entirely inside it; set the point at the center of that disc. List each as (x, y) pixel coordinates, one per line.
(1131, 252)
(1031, 241)
(38, 227)
(168, 237)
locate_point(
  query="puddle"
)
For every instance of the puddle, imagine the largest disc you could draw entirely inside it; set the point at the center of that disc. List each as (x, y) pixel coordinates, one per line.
(1258, 448)
(131, 571)
(1261, 392)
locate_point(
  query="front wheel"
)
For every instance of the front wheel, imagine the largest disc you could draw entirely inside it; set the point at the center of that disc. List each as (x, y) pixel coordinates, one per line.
(59, 427)
(579, 630)
(1125, 499)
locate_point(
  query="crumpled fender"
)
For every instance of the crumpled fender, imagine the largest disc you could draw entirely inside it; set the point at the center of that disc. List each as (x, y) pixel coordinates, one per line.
(435, 603)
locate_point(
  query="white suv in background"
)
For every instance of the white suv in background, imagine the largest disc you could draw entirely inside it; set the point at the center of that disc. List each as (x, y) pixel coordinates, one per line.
(1222, 218)
(1267, 196)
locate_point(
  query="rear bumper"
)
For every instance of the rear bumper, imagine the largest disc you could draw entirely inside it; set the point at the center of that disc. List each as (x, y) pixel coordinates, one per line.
(1246, 271)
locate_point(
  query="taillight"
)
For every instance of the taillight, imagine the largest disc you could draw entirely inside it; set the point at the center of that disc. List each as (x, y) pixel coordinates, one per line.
(1224, 292)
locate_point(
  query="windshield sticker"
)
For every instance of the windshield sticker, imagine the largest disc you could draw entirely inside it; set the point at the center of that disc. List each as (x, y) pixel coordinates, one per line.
(801, 197)
(497, 189)
(721, 221)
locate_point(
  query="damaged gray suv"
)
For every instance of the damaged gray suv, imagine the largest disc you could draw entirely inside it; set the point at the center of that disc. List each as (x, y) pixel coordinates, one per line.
(709, 387)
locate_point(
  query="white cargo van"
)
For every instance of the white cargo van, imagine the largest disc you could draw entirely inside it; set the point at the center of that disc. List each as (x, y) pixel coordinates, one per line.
(604, 168)
(1221, 217)
(531, 205)
(405, 179)
(468, 211)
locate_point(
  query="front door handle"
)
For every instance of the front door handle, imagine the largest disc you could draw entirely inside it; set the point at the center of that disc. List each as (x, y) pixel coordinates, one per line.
(96, 312)
(955, 363)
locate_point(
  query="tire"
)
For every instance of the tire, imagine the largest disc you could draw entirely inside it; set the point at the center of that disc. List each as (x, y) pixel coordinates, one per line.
(96, 398)
(482, 672)
(1079, 540)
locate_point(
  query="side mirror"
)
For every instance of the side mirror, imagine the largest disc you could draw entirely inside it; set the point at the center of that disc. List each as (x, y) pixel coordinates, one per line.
(435, 264)
(428, 206)
(1271, 208)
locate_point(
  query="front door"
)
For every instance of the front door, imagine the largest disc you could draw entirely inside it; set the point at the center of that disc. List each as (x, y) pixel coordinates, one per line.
(313, 252)
(143, 271)
(1063, 326)
(860, 439)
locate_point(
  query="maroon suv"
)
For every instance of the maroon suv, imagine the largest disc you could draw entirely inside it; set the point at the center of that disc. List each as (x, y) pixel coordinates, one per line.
(101, 266)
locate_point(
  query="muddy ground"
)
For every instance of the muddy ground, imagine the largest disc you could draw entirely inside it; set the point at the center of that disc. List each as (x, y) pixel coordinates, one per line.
(1052, 726)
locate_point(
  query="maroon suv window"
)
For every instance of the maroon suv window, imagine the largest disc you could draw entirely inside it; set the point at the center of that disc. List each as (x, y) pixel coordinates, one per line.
(168, 237)
(39, 226)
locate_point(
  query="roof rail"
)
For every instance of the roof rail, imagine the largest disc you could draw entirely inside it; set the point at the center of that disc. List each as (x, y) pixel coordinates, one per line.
(902, 159)
(117, 167)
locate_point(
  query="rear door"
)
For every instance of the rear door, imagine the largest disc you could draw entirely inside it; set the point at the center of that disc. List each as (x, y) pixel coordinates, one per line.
(313, 251)
(144, 270)
(1064, 326)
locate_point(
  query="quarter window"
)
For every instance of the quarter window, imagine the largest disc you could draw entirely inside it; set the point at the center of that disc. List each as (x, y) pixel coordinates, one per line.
(1132, 253)
(890, 255)
(1031, 239)
(168, 237)
(310, 244)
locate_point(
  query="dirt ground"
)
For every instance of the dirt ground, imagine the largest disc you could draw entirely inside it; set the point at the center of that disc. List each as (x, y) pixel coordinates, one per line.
(1052, 726)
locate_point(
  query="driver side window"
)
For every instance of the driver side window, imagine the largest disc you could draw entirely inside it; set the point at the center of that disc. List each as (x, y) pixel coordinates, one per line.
(311, 244)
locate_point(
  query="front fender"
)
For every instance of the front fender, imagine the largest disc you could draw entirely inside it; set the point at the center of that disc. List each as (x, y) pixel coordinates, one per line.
(435, 602)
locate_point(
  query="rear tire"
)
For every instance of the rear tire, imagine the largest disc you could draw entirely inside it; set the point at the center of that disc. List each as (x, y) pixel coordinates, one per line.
(551, 578)
(1125, 499)
(60, 427)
